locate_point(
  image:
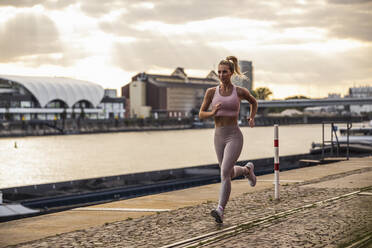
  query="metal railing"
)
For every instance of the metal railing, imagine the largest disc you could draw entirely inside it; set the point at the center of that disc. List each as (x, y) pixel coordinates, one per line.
(335, 144)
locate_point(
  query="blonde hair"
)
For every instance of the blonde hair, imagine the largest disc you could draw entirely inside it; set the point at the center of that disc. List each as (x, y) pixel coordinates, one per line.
(232, 62)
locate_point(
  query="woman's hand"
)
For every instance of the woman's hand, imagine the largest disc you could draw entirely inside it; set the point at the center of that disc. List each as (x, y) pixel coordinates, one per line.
(251, 122)
(215, 108)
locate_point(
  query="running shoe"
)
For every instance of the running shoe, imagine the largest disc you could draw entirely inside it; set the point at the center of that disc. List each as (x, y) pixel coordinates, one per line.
(251, 176)
(217, 215)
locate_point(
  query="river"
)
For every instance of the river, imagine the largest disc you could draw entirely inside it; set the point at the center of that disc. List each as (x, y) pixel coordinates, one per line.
(36, 160)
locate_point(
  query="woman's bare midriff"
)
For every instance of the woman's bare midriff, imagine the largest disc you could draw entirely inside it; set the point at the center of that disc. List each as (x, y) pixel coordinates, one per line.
(223, 121)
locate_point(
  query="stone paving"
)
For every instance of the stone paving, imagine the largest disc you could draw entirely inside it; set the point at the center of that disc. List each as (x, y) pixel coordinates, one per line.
(328, 225)
(332, 225)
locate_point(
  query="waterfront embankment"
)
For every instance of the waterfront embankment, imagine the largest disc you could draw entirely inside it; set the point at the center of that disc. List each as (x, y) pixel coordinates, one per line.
(58, 195)
(48, 159)
(85, 126)
(325, 205)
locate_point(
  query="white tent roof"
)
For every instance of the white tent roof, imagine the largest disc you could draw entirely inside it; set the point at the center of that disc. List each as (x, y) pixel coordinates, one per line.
(46, 89)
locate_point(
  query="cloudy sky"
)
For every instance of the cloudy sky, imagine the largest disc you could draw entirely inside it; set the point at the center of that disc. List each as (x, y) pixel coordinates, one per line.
(308, 47)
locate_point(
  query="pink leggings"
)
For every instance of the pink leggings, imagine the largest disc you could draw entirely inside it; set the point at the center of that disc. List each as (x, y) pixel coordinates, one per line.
(228, 143)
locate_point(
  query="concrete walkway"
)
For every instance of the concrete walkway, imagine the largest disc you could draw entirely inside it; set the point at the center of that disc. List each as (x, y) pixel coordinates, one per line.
(40, 227)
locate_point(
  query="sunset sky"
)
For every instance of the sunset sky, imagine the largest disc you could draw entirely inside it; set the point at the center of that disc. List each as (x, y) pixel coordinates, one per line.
(297, 47)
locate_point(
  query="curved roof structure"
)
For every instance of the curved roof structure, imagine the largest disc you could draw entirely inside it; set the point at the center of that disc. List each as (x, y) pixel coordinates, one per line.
(71, 91)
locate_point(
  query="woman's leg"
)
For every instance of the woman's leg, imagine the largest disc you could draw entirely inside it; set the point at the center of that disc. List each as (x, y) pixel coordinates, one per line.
(220, 138)
(230, 155)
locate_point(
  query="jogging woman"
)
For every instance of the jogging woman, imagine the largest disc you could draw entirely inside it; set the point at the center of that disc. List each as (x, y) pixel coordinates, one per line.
(228, 139)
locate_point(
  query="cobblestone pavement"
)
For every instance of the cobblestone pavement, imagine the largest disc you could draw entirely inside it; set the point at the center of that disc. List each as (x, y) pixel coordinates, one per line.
(330, 224)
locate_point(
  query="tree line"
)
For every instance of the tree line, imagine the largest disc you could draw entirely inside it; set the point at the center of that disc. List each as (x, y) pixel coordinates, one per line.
(263, 93)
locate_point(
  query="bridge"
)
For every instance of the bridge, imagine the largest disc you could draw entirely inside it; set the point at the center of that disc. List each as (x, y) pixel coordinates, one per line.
(311, 102)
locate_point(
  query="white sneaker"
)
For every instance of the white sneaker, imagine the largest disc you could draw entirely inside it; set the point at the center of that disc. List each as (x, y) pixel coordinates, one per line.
(251, 176)
(218, 215)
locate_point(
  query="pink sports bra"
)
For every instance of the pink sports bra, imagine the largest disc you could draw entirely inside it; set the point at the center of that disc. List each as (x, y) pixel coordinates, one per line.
(230, 105)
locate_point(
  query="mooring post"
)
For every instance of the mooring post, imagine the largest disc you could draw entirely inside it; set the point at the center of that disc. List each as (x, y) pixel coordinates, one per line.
(276, 160)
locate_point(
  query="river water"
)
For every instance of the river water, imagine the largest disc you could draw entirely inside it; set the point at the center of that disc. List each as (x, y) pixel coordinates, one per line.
(36, 160)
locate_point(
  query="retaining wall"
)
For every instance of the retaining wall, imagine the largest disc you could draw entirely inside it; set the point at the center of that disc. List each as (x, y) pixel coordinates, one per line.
(82, 126)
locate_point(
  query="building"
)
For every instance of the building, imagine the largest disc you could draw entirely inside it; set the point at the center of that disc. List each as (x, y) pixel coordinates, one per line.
(113, 106)
(51, 98)
(245, 80)
(360, 92)
(334, 95)
(112, 93)
(175, 95)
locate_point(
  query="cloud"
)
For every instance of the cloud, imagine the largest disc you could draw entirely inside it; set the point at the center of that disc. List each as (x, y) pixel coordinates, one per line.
(302, 68)
(58, 5)
(341, 19)
(160, 52)
(279, 58)
(287, 40)
(49, 4)
(356, 24)
(346, 19)
(308, 68)
(34, 40)
(121, 28)
(21, 3)
(28, 34)
(349, 1)
(181, 12)
(97, 8)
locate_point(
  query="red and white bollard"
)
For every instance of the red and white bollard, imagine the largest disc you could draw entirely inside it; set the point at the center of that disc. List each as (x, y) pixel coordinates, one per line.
(276, 160)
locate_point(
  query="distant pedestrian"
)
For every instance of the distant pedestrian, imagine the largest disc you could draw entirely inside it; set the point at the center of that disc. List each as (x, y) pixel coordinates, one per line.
(228, 139)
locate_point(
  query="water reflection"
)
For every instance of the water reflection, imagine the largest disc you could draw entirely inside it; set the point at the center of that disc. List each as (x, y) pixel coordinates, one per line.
(59, 158)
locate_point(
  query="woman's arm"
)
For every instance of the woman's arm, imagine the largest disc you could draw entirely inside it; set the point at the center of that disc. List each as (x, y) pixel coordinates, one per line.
(208, 97)
(243, 93)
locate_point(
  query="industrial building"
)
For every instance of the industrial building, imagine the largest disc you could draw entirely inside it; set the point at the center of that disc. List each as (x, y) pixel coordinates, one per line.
(246, 79)
(52, 98)
(175, 95)
(360, 92)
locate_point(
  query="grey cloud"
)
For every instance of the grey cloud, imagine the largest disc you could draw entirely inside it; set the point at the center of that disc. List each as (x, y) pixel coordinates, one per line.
(349, 1)
(309, 68)
(32, 39)
(270, 64)
(356, 25)
(97, 8)
(49, 4)
(58, 5)
(180, 12)
(177, 12)
(160, 52)
(69, 57)
(21, 3)
(167, 11)
(341, 19)
(28, 34)
(124, 29)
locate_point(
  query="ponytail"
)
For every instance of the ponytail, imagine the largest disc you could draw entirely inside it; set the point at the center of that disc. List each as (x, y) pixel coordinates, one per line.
(232, 62)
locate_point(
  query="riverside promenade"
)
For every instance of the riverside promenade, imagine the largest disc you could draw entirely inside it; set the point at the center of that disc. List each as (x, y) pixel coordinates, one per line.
(328, 205)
